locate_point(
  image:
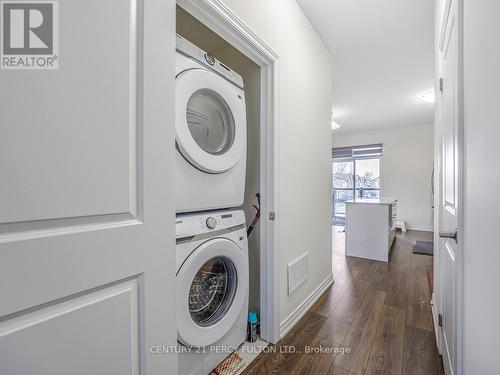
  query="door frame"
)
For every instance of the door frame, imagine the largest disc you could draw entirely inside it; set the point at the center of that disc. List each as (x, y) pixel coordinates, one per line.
(218, 17)
(437, 295)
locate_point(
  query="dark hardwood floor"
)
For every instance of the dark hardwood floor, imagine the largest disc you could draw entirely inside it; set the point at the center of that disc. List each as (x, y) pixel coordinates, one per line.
(375, 319)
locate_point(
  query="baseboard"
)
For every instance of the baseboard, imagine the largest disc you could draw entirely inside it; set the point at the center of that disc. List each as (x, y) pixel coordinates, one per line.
(420, 228)
(289, 322)
(437, 331)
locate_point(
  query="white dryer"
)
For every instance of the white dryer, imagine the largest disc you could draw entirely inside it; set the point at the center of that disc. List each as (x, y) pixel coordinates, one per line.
(210, 126)
(212, 288)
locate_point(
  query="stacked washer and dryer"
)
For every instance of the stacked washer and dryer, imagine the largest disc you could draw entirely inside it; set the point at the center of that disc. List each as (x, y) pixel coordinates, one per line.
(212, 251)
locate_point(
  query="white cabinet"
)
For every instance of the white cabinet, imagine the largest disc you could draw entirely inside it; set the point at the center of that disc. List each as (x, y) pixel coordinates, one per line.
(370, 228)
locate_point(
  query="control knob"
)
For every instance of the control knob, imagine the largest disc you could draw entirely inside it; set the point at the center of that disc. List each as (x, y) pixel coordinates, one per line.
(211, 222)
(210, 59)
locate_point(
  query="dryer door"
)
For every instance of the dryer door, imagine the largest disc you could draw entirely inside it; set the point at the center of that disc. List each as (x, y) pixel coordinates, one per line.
(210, 120)
(212, 287)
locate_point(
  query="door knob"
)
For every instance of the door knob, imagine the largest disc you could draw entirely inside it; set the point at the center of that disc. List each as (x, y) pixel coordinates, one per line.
(453, 234)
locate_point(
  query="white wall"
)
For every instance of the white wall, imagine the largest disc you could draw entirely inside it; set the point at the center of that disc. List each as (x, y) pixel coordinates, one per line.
(305, 143)
(406, 168)
(482, 175)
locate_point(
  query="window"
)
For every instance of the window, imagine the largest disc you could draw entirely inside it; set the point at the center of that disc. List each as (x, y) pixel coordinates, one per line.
(367, 178)
(356, 174)
(343, 188)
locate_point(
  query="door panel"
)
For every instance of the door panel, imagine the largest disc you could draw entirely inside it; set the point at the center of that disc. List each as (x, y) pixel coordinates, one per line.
(109, 318)
(449, 210)
(76, 142)
(87, 241)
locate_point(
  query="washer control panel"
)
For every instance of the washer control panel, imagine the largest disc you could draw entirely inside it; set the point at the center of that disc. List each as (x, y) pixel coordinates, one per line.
(189, 225)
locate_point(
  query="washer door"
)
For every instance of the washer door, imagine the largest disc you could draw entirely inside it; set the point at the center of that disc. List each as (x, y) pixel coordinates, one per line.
(212, 288)
(210, 121)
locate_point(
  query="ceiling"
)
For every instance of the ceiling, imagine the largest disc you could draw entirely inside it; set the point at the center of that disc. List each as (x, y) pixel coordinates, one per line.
(382, 60)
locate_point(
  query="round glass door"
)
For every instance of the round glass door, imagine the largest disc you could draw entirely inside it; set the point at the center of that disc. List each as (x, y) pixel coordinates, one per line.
(210, 121)
(212, 291)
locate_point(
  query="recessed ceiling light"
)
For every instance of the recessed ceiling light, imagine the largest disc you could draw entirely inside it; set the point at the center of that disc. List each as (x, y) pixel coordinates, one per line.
(428, 97)
(335, 125)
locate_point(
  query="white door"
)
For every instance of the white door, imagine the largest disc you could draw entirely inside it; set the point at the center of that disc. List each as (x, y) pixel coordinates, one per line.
(210, 120)
(87, 251)
(450, 191)
(212, 289)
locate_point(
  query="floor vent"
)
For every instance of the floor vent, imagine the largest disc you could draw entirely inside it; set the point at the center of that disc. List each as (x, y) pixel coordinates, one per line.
(298, 272)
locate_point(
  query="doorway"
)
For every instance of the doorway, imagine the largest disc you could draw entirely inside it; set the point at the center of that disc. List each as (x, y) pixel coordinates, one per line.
(221, 21)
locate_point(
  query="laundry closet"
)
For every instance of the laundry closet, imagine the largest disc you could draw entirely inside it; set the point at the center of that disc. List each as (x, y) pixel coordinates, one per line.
(240, 73)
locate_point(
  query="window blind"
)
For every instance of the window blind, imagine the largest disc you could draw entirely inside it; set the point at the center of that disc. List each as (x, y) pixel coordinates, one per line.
(362, 151)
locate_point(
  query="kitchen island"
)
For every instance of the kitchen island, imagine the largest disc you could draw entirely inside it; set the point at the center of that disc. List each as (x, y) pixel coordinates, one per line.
(369, 230)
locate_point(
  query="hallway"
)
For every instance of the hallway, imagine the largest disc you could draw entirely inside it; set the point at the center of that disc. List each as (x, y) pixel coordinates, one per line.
(379, 312)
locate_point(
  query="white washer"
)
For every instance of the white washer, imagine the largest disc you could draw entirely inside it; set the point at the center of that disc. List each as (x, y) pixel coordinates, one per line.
(210, 127)
(212, 288)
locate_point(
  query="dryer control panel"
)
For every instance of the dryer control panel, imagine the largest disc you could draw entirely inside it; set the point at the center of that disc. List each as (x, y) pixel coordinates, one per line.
(192, 51)
(189, 225)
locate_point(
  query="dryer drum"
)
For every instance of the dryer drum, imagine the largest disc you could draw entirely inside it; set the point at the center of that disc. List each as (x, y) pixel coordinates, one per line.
(210, 121)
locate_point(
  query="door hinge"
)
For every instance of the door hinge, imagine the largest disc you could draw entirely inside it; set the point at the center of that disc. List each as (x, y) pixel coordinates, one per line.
(441, 84)
(272, 215)
(440, 320)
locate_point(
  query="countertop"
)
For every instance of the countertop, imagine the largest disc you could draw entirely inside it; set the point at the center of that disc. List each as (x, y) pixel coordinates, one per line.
(381, 200)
